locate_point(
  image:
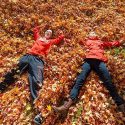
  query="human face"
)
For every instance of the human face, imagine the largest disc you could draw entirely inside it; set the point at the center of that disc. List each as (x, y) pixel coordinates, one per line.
(48, 34)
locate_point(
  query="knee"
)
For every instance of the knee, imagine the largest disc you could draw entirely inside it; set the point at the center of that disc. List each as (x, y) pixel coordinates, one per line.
(78, 84)
(107, 79)
(79, 81)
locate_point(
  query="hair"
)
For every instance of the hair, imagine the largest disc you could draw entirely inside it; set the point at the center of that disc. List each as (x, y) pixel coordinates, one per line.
(49, 31)
(92, 33)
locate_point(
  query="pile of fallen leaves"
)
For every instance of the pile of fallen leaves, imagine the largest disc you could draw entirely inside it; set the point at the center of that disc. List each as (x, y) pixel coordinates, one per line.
(63, 64)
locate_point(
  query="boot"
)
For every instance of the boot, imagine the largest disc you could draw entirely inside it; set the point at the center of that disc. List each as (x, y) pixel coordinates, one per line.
(2, 87)
(8, 79)
(64, 107)
(38, 120)
(121, 108)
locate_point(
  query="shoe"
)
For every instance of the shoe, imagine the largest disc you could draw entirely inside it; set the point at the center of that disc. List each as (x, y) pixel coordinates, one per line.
(121, 108)
(2, 86)
(38, 119)
(64, 107)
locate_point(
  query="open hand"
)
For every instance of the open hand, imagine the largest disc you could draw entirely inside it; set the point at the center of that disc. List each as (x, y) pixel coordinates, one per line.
(122, 42)
(67, 40)
(60, 32)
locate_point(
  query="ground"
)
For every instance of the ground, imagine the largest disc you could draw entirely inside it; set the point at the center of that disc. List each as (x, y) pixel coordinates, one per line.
(76, 19)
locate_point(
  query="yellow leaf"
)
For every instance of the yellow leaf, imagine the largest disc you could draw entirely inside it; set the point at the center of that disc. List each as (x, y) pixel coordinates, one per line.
(49, 108)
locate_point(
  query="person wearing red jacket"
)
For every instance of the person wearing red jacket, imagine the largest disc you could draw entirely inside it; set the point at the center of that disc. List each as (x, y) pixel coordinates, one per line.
(94, 61)
(33, 62)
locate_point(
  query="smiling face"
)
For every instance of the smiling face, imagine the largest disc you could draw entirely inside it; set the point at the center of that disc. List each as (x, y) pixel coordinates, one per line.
(48, 34)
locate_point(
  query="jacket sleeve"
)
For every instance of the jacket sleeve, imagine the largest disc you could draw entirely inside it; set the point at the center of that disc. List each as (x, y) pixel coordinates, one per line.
(57, 40)
(36, 33)
(111, 44)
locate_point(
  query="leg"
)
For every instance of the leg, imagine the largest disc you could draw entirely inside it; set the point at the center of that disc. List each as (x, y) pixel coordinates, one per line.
(35, 75)
(35, 80)
(86, 68)
(104, 75)
(9, 77)
(23, 63)
(80, 80)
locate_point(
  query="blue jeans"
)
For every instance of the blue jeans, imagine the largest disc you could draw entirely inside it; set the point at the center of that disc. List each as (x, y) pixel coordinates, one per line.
(100, 68)
(34, 65)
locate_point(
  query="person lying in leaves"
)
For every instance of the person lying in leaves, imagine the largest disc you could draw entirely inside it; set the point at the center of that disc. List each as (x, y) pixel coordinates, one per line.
(34, 64)
(95, 60)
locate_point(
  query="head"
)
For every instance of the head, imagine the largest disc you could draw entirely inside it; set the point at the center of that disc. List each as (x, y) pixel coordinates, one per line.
(92, 34)
(48, 34)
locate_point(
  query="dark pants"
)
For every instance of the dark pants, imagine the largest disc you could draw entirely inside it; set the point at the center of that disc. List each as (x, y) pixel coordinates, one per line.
(100, 68)
(34, 65)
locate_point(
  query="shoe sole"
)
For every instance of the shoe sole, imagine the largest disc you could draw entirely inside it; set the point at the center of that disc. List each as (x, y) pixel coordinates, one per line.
(37, 122)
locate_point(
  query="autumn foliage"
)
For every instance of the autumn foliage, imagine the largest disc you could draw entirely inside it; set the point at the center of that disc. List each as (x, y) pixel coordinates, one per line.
(76, 18)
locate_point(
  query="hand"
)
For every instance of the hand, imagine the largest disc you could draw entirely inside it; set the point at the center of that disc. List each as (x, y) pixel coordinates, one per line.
(60, 32)
(37, 27)
(81, 42)
(67, 40)
(122, 42)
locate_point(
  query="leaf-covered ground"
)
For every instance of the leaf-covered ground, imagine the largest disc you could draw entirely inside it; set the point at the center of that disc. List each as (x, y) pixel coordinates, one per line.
(76, 18)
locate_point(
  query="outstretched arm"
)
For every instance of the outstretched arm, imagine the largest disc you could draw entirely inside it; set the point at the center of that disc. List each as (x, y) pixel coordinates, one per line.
(59, 39)
(111, 44)
(36, 31)
(115, 43)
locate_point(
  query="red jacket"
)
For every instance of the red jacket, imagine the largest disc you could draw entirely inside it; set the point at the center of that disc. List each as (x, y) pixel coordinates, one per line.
(40, 47)
(95, 48)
